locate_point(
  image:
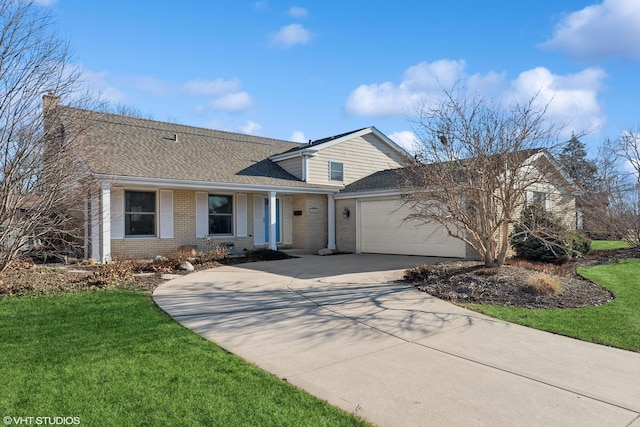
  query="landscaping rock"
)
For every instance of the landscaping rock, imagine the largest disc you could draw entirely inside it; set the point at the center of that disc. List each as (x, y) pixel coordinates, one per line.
(186, 266)
(159, 259)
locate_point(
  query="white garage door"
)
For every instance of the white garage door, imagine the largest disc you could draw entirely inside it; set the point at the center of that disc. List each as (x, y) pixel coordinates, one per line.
(383, 230)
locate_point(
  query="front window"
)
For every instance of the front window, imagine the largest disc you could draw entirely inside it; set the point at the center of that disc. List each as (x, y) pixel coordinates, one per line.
(336, 171)
(140, 213)
(221, 215)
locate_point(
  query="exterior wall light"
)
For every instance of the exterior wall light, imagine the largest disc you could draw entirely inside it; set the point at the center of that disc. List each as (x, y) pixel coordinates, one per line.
(346, 213)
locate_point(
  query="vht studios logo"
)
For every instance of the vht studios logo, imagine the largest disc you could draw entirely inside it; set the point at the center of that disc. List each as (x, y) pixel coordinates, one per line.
(42, 421)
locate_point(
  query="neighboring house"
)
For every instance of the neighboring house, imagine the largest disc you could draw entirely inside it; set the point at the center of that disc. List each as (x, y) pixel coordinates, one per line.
(159, 186)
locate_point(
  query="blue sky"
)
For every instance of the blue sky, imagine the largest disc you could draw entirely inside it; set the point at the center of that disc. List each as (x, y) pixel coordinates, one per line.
(307, 70)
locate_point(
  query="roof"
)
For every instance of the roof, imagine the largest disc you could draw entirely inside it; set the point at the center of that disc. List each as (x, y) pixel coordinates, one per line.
(122, 146)
(407, 178)
(323, 140)
(389, 179)
(319, 144)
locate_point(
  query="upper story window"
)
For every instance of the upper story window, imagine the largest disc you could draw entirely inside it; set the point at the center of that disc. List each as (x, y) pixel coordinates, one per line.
(221, 215)
(540, 199)
(336, 171)
(140, 213)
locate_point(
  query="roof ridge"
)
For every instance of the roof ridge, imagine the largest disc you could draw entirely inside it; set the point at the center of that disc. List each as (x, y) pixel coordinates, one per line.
(124, 120)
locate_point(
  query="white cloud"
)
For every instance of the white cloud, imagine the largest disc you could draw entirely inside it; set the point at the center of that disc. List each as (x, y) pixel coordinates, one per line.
(97, 81)
(291, 35)
(422, 81)
(298, 136)
(251, 128)
(406, 139)
(297, 12)
(573, 98)
(262, 5)
(231, 103)
(608, 29)
(152, 85)
(216, 87)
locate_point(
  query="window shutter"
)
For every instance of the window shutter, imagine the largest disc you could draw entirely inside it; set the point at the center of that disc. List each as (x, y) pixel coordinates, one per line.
(117, 213)
(241, 215)
(529, 197)
(287, 220)
(166, 214)
(202, 214)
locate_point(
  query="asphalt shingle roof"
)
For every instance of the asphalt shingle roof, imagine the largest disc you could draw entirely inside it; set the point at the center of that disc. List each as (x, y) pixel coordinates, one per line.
(322, 141)
(127, 146)
(389, 179)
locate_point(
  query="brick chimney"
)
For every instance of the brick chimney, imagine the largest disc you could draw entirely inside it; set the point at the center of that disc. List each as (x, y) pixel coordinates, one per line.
(49, 104)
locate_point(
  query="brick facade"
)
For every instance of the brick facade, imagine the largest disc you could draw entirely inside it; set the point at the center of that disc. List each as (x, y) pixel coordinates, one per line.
(309, 229)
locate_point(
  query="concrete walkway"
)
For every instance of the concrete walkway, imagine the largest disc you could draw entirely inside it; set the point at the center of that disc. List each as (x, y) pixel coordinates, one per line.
(341, 328)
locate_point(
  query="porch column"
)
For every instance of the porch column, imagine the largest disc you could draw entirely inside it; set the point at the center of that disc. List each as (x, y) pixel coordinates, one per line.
(106, 223)
(272, 221)
(331, 214)
(95, 225)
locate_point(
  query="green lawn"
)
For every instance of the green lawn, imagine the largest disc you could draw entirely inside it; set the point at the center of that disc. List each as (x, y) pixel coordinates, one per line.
(616, 324)
(114, 359)
(609, 244)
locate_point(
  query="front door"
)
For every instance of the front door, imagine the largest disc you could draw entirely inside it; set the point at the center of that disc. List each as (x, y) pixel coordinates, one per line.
(266, 222)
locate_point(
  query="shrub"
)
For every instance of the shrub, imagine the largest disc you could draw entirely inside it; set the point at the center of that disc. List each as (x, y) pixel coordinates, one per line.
(213, 255)
(418, 274)
(112, 273)
(539, 236)
(555, 270)
(544, 284)
(580, 245)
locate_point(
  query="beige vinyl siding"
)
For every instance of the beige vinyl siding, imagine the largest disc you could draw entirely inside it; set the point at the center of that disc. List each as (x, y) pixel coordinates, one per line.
(360, 157)
(293, 166)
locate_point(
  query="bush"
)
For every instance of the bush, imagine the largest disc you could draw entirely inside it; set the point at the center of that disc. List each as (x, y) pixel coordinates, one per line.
(216, 254)
(112, 273)
(580, 245)
(540, 236)
(556, 270)
(544, 284)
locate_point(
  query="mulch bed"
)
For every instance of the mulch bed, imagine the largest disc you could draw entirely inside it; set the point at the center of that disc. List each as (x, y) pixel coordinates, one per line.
(471, 282)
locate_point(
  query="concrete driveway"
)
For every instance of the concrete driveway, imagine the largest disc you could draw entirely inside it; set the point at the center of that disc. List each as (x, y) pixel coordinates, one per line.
(343, 329)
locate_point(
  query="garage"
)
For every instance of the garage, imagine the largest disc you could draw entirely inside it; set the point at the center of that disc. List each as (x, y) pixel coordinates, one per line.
(382, 229)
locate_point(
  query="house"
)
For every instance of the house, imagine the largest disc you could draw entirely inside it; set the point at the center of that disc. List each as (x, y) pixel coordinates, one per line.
(159, 186)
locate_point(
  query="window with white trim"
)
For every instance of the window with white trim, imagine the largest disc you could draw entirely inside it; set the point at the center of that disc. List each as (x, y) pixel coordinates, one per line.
(538, 199)
(336, 171)
(139, 213)
(220, 215)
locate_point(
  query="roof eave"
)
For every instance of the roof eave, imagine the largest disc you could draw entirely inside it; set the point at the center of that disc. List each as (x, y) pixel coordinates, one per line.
(300, 153)
(208, 185)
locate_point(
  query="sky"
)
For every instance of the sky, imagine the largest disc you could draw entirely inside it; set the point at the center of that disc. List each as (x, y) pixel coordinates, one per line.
(302, 70)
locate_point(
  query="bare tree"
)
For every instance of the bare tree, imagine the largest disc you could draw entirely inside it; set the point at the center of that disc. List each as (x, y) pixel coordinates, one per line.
(475, 164)
(40, 173)
(628, 148)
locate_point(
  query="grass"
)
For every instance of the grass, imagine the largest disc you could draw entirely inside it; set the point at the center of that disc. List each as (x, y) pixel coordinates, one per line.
(609, 244)
(615, 324)
(114, 359)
